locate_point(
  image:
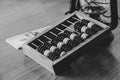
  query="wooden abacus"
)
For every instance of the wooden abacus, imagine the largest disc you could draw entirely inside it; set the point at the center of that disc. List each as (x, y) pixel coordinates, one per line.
(64, 41)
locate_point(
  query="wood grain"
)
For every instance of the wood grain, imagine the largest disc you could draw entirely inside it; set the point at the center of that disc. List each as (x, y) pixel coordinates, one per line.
(19, 16)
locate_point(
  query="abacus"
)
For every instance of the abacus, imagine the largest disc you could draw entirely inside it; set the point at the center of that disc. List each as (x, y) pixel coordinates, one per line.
(64, 41)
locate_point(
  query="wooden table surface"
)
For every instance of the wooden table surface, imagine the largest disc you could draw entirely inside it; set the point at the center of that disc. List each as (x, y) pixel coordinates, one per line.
(19, 16)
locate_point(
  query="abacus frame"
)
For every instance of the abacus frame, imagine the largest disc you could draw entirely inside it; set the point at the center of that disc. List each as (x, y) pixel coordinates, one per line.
(56, 66)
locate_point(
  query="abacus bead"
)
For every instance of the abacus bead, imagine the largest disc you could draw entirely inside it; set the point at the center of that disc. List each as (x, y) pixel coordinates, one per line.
(90, 24)
(56, 54)
(99, 28)
(47, 45)
(65, 48)
(70, 43)
(59, 45)
(72, 36)
(67, 33)
(60, 37)
(52, 48)
(84, 22)
(70, 46)
(90, 31)
(47, 52)
(50, 55)
(62, 53)
(56, 51)
(78, 26)
(55, 42)
(78, 39)
(59, 52)
(66, 40)
(55, 57)
(84, 28)
(84, 36)
(96, 27)
(41, 49)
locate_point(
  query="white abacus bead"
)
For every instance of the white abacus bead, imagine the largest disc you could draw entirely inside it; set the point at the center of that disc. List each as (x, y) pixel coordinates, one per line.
(72, 36)
(90, 11)
(90, 24)
(62, 53)
(59, 45)
(52, 48)
(84, 28)
(47, 52)
(84, 36)
(66, 40)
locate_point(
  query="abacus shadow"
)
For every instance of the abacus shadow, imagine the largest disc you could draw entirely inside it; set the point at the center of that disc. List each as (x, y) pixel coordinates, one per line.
(95, 63)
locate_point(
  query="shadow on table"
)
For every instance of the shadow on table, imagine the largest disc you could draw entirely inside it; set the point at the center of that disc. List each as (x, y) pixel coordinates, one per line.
(97, 63)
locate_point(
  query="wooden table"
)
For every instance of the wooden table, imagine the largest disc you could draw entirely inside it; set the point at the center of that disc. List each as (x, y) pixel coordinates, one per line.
(17, 17)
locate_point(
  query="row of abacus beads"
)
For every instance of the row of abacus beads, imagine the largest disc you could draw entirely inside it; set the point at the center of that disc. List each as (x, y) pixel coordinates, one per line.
(80, 28)
(69, 38)
(90, 24)
(53, 52)
(90, 29)
(49, 50)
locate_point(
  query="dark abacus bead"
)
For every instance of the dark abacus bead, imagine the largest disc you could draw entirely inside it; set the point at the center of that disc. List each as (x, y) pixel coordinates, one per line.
(55, 57)
(90, 32)
(96, 28)
(55, 54)
(67, 33)
(70, 43)
(41, 49)
(58, 53)
(66, 48)
(78, 26)
(78, 39)
(50, 56)
(61, 37)
(47, 45)
(99, 27)
(84, 22)
(76, 43)
(55, 42)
